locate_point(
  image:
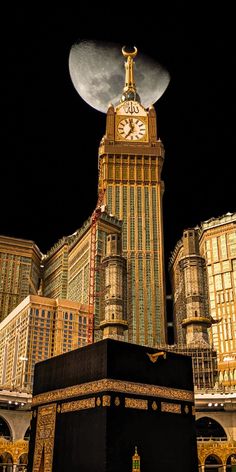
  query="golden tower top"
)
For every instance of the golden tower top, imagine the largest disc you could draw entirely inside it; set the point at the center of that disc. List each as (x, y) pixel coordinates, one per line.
(129, 90)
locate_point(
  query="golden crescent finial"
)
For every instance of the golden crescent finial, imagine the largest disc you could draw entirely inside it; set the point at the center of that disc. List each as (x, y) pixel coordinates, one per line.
(131, 53)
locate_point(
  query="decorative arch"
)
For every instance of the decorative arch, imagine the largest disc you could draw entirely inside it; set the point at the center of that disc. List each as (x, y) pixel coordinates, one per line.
(211, 463)
(208, 427)
(23, 459)
(220, 449)
(5, 429)
(6, 462)
(231, 463)
(14, 448)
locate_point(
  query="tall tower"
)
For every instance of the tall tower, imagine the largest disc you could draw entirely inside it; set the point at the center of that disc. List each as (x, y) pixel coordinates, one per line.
(130, 162)
(193, 266)
(115, 321)
(191, 308)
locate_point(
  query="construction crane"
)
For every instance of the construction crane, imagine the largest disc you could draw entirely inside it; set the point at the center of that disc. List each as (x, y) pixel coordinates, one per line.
(92, 263)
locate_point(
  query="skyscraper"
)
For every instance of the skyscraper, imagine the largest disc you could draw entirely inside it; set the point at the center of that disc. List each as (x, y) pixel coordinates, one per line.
(39, 328)
(19, 272)
(217, 247)
(189, 281)
(130, 162)
(73, 269)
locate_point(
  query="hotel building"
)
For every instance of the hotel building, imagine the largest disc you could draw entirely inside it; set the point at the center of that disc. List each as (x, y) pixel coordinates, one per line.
(19, 272)
(217, 245)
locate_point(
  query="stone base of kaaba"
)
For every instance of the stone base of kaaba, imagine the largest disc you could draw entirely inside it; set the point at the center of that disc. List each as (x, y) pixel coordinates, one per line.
(92, 406)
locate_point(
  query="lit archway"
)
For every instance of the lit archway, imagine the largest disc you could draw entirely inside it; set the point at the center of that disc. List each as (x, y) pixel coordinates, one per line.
(207, 427)
(213, 464)
(6, 462)
(23, 461)
(231, 463)
(5, 430)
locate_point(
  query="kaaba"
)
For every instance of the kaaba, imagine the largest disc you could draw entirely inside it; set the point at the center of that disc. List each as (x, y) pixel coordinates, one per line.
(94, 406)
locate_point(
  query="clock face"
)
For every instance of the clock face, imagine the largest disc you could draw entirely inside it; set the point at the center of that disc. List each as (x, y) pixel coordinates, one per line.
(131, 129)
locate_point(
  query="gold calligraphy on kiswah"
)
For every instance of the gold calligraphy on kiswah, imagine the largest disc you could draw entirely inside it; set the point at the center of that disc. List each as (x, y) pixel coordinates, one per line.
(44, 441)
(137, 403)
(112, 385)
(170, 407)
(84, 404)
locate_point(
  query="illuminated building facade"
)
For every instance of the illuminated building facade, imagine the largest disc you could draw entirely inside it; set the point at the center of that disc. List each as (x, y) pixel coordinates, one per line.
(202, 268)
(191, 309)
(217, 245)
(19, 272)
(37, 329)
(72, 268)
(131, 157)
(130, 163)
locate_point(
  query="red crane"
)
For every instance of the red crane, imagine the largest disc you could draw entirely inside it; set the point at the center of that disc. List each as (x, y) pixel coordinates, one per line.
(92, 264)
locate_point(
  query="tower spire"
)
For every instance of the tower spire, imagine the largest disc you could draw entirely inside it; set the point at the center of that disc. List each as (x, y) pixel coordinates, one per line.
(129, 90)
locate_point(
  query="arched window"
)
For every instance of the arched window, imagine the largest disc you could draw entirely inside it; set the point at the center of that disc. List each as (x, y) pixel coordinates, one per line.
(6, 462)
(4, 429)
(231, 463)
(23, 461)
(208, 428)
(211, 464)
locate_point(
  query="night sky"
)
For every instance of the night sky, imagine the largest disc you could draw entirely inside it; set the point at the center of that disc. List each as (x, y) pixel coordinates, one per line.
(48, 162)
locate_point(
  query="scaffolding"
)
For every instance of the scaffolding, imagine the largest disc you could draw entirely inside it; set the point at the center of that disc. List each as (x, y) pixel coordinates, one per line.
(204, 362)
(92, 263)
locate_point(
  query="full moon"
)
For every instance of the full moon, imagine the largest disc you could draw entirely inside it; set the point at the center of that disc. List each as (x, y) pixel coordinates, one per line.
(98, 74)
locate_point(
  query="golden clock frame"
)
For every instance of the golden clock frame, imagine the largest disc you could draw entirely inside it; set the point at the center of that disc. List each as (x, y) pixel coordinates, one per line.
(118, 137)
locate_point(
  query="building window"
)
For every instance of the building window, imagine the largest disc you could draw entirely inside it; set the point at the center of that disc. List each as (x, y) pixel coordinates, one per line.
(218, 282)
(215, 254)
(227, 280)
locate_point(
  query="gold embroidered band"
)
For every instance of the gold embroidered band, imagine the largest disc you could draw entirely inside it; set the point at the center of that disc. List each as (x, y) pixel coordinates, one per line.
(78, 405)
(91, 388)
(170, 407)
(136, 403)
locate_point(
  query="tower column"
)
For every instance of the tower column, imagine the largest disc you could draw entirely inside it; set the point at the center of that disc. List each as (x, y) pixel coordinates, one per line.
(115, 319)
(193, 266)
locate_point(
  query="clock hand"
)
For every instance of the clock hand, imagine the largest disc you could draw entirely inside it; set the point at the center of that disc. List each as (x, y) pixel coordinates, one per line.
(130, 130)
(131, 125)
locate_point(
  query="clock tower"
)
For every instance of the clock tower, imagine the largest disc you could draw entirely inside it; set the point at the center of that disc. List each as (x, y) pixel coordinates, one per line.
(130, 163)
